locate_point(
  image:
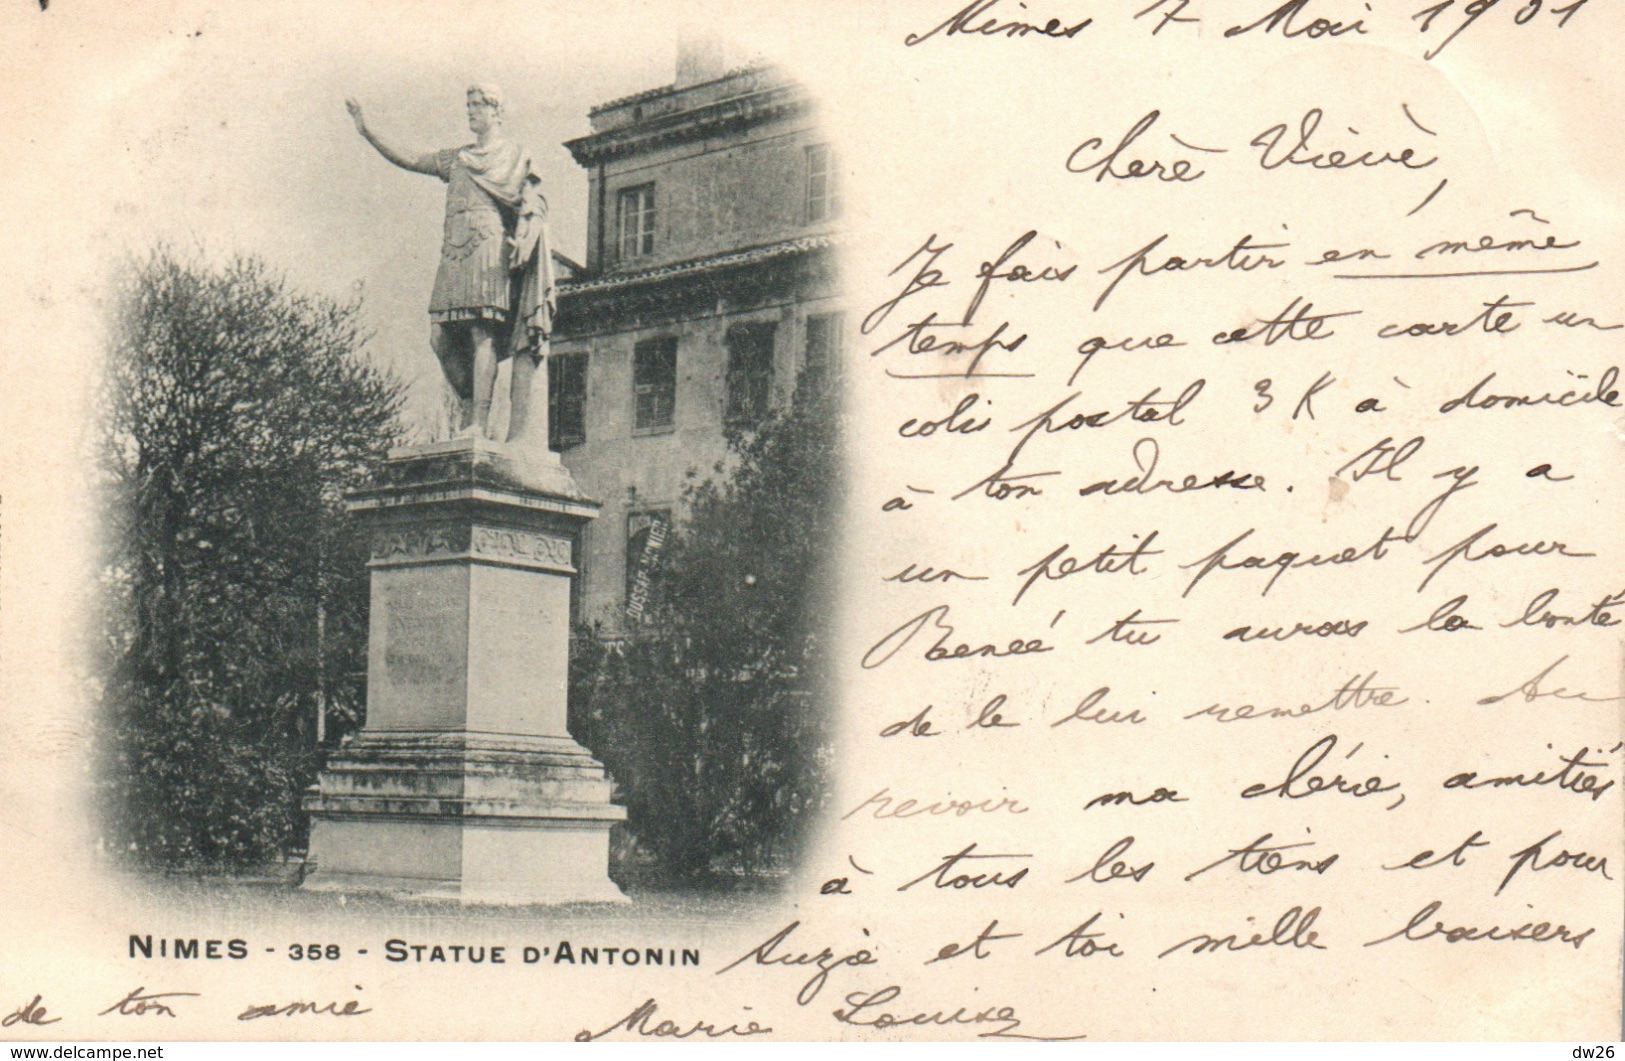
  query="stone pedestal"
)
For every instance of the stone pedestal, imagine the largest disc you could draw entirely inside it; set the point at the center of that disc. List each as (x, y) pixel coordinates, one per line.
(465, 783)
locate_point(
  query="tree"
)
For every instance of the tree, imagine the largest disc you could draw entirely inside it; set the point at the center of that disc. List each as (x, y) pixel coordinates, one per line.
(234, 414)
(712, 717)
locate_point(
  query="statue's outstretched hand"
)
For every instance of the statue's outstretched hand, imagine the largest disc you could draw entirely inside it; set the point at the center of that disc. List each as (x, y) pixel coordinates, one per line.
(355, 114)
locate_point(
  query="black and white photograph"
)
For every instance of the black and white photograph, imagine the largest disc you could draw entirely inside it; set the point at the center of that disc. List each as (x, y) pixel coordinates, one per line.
(363, 613)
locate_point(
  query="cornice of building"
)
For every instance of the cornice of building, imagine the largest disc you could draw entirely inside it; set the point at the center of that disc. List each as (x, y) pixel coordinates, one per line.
(709, 263)
(745, 79)
(720, 283)
(731, 113)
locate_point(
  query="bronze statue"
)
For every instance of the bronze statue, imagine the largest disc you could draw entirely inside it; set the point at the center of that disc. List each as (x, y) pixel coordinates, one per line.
(493, 292)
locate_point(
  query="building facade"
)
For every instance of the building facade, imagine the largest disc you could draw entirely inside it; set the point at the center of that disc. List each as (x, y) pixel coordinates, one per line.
(709, 288)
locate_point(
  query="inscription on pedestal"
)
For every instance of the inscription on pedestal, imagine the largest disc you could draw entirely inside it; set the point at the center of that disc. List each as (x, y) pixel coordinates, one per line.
(420, 647)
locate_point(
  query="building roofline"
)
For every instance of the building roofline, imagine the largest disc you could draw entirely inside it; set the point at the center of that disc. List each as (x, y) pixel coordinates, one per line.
(728, 259)
(636, 97)
(762, 103)
(663, 90)
(567, 263)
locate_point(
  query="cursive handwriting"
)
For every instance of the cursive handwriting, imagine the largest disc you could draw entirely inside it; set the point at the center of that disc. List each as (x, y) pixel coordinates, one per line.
(862, 1010)
(891, 644)
(1176, 171)
(1118, 799)
(30, 1012)
(1263, 859)
(1533, 932)
(1537, 612)
(637, 1022)
(1145, 454)
(1530, 857)
(1016, 273)
(1284, 18)
(1302, 782)
(1091, 709)
(1245, 256)
(943, 874)
(976, 948)
(824, 961)
(1057, 565)
(963, 22)
(1080, 942)
(300, 1009)
(1291, 930)
(1603, 392)
(1110, 866)
(926, 277)
(880, 805)
(138, 1003)
(1324, 629)
(1464, 550)
(1426, 859)
(1352, 695)
(1531, 690)
(1573, 777)
(1278, 148)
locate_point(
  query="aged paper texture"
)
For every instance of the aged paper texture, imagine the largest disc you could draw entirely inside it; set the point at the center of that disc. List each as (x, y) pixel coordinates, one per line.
(1170, 586)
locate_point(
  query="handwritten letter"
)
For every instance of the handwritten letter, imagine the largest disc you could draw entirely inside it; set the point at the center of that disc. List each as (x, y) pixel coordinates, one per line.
(1237, 527)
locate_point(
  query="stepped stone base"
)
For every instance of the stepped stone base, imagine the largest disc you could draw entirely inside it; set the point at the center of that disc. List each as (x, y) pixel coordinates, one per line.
(465, 783)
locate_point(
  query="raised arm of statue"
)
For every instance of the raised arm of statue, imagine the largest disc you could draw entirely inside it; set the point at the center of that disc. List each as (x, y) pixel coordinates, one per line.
(415, 164)
(493, 296)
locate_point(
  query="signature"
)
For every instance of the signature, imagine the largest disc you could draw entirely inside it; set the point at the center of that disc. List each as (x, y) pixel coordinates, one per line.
(637, 1022)
(863, 1010)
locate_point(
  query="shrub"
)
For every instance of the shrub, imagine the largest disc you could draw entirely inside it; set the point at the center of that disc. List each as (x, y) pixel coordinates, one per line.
(712, 716)
(233, 414)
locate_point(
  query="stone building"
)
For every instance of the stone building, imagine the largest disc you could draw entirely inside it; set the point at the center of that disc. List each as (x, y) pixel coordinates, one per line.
(709, 287)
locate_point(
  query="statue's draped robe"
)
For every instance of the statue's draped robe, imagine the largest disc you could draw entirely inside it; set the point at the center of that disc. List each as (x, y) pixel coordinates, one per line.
(493, 195)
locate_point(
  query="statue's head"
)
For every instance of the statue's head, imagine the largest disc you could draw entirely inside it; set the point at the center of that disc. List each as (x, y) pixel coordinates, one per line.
(484, 107)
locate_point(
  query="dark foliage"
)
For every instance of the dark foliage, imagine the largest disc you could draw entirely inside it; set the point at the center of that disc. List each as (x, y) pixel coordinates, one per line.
(234, 414)
(712, 717)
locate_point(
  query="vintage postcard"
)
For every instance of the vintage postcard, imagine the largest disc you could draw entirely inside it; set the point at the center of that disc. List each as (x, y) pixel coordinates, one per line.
(1084, 520)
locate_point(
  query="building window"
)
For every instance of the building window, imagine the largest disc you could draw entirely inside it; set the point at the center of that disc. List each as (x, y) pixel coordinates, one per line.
(646, 533)
(822, 359)
(823, 193)
(566, 400)
(637, 222)
(750, 372)
(654, 383)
